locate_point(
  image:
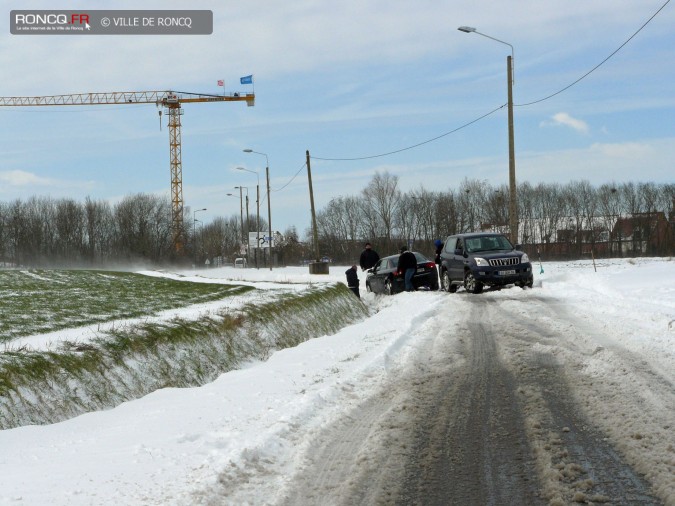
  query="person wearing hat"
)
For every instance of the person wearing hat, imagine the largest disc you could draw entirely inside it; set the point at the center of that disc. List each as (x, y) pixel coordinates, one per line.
(368, 258)
(407, 264)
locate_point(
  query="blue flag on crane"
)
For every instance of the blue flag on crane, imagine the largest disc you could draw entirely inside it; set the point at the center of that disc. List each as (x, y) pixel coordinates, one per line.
(246, 79)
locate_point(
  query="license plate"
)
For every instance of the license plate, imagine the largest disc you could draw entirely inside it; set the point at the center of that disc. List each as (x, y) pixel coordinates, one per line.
(506, 273)
(420, 269)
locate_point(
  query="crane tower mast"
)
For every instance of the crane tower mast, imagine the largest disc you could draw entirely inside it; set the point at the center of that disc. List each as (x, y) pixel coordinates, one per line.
(171, 102)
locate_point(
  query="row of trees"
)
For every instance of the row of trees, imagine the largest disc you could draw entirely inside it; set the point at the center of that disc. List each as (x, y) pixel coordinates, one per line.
(548, 214)
(46, 231)
(42, 231)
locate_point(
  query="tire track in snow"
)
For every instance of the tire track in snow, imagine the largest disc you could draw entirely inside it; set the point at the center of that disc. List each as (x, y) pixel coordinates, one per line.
(360, 458)
(475, 450)
(481, 411)
(576, 460)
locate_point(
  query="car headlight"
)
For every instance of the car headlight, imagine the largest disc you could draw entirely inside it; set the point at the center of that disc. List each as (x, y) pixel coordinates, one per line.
(481, 262)
(524, 259)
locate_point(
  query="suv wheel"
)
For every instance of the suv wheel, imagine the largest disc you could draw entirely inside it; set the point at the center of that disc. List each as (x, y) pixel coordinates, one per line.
(446, 284)
(470, 283)
(445, 281)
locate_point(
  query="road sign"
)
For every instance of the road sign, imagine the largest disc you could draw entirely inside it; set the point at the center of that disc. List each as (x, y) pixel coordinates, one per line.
(265, 240)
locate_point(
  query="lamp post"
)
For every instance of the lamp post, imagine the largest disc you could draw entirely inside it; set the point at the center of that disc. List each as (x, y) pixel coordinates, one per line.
(269, 207)
(248, 221)
(241, 218)
(194, 230)
(513, 205)
(257, 202)
(244, 236)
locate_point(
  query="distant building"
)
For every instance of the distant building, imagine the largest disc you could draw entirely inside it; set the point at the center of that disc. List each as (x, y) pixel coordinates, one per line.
(643, 234)
(603, 236)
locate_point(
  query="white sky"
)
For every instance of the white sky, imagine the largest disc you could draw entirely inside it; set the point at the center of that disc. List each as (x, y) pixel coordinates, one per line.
(344, 80)
(250, 428)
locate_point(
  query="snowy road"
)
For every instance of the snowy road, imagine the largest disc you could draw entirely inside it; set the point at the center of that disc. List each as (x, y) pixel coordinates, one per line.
(481, 414)
(557, 395)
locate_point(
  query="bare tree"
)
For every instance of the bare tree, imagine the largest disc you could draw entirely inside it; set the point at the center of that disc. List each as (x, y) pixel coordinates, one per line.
(405, 221)
(142, 223)
(447, 214)
(337, 225)
(427, 209)
(69, 221)
(221, 238)
(100, 230)
(471, 205)
(4, 235)
(382, 199)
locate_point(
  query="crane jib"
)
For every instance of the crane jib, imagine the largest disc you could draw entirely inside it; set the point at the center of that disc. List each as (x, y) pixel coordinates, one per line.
(134, 97)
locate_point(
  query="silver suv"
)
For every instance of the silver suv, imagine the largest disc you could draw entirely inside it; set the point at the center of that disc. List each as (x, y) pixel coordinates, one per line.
(477, 260)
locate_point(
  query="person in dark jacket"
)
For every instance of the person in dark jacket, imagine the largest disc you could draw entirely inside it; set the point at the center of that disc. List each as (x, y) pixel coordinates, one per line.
(353, 280)
(407, 264)
(369, 257)
(438, 244)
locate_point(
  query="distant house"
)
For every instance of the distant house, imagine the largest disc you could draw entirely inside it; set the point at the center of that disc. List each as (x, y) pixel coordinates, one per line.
(642, 234)
(601, 236)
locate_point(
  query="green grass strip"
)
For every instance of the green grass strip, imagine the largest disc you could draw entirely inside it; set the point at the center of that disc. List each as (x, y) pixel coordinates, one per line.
(40, 301)
(129, 362)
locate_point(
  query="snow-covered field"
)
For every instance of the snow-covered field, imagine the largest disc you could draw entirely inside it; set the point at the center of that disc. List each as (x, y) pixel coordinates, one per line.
(240, 438)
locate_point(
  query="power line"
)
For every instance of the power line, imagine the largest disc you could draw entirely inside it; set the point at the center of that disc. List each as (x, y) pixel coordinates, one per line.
(415, 145)
(599, 64)
(291, 180)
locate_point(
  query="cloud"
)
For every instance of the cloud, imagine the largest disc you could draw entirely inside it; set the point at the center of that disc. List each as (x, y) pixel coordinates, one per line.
(599, 163)
(564, 119)
(23, 178)
(20, 183)
(628, 150)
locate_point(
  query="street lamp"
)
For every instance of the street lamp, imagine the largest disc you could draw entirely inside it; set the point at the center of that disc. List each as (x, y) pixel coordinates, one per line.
(269, 207)
(241, 211)
(513, 206)
(248, 259)
(194, 230)
(257, 201)
(244, 235)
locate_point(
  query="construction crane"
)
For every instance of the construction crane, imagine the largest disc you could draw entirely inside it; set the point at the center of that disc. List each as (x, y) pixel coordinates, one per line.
(171, 102)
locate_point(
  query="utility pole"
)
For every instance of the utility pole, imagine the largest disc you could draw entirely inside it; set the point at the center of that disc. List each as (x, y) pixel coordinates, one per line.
(316, 267)
(257, 203)
(315, 233)
(513, 206)
(269, 214)
(241, 214)
(248, 226)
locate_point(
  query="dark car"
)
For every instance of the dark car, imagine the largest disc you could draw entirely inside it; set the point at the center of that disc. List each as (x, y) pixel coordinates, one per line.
(477, 260)
(384, 277)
